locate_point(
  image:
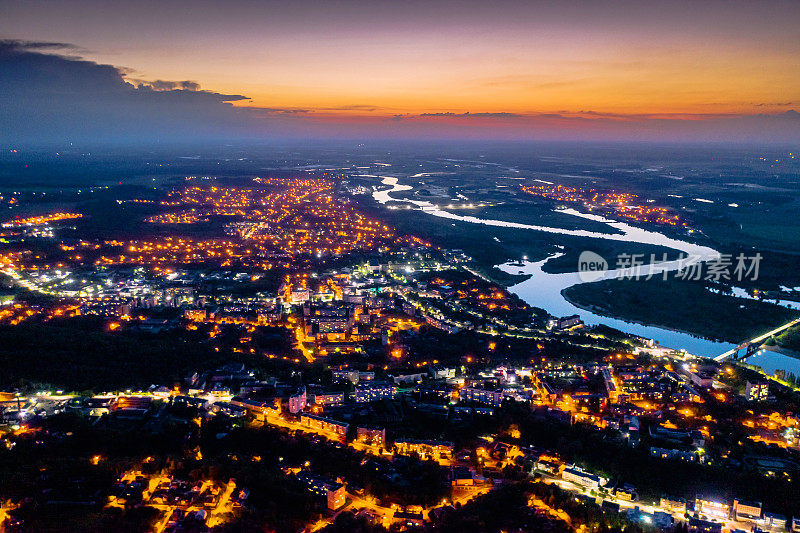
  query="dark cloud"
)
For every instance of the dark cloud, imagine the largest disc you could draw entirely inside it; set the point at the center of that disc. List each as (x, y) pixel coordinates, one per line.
(48, 96)
(163, 85)
(472, 115)
(773, 104)
(20, 45)
(266, 111)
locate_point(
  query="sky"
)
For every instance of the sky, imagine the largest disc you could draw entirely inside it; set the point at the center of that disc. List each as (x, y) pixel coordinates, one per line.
(624, 69)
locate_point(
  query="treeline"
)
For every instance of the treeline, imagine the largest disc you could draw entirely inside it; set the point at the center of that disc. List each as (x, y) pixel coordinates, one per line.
(78, 359)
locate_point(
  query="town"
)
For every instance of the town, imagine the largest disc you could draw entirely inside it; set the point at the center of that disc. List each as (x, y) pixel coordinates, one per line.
(339, 374)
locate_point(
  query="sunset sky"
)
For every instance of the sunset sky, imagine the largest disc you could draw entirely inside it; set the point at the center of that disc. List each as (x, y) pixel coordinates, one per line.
(351, 62)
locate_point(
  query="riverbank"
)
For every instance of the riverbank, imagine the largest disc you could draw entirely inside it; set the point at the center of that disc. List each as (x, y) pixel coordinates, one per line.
(604, 312)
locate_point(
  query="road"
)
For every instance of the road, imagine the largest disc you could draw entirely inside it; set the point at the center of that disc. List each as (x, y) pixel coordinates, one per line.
(624, 505)
(224, 505)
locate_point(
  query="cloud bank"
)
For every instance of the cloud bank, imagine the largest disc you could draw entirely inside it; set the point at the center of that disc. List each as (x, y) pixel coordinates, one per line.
(48, 94)
(47, 97)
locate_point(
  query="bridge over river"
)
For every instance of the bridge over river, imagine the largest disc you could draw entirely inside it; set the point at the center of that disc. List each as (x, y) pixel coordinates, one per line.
(754, 344)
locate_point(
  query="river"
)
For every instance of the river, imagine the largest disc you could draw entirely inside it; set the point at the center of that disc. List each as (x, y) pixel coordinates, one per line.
(544, 290)
(770, 361)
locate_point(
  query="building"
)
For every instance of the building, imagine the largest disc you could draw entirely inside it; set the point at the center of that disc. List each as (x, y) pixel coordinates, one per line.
(678, 436)
(269, 407)
(375, 436)
(346, 375)
(329, 398)
(550, 467)
(675, 505)
(268, 316)
(228, 409)
(582, 478)
(300, 296)
(441, 324)
(461, 476)
(564, 322)
(698, 525)
(608, 506)
(611, 385)
(97, 405)
(484, 396)
(773, 522)
(131, 405)
(297, 401)
(409, 519)
(712, 508)
(442, 372)
(425, 448)
(666, 453)
(756, 392)
(437, 390)
(195, 315)
(626, 493)
(401, 379)
(320, 423)
(373, 391)
(702, 379)
(746, 511)
(333, 492)
(662, 520)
